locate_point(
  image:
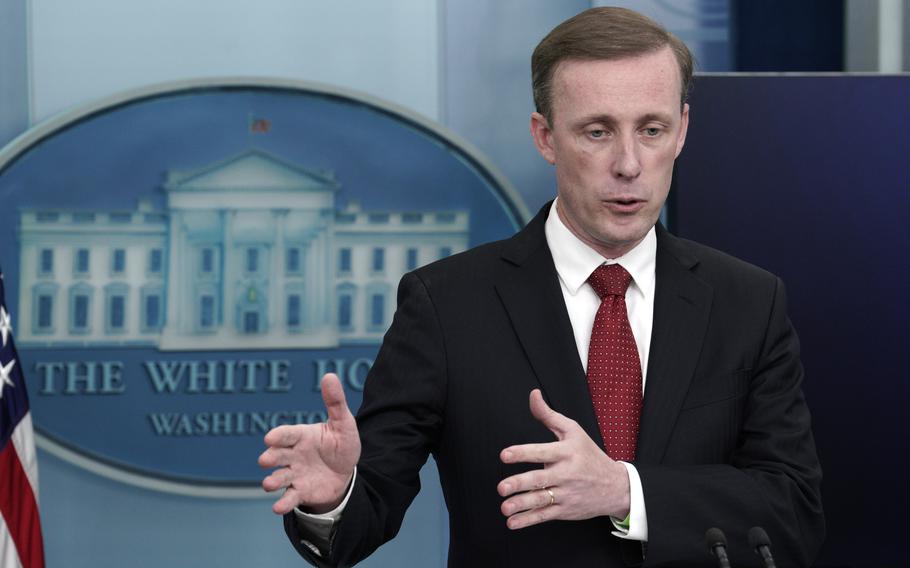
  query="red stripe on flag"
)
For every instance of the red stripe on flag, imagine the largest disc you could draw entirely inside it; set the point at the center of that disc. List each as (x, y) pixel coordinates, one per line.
(19, 509)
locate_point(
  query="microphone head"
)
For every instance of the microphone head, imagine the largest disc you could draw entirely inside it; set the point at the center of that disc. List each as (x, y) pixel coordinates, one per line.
(715, 537)
(758, 537)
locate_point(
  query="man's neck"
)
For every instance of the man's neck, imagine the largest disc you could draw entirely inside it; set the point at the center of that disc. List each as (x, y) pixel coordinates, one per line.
(609, 252)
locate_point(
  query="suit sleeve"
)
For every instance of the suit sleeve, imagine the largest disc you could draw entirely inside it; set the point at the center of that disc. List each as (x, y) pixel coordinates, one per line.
(771, 479)
(399, 423)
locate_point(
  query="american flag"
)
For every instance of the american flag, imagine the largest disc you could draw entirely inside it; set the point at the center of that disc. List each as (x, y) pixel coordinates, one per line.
(259, 124)
(20, 527)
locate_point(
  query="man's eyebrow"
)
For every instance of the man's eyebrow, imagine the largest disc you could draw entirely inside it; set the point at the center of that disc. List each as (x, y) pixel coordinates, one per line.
(657, 117)
(605, 119)
(608, 120)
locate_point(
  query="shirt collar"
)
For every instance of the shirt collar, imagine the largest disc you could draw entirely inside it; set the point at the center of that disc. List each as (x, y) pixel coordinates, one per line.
(575, 260)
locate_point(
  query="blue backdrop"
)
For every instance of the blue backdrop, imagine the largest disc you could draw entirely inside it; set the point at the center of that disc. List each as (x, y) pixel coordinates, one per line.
(807, 177)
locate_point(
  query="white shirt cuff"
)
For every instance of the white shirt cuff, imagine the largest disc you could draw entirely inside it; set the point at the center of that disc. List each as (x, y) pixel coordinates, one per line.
(638, 517)
(319, 526)
(335, 513)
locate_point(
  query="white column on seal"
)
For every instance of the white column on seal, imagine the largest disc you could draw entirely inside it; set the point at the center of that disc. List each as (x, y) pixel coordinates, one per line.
(276, 274)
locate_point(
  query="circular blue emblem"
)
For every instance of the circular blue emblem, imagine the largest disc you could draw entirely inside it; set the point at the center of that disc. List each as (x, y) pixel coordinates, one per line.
(183, 264)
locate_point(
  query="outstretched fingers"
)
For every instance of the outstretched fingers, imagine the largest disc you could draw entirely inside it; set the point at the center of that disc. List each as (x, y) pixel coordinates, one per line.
(287, 502)
(284, 436)
(534, 516)
(315, 461)
(527, 481)
(548, 452)
(278, 479)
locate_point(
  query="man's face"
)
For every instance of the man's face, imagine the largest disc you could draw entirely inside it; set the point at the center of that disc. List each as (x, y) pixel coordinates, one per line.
(617, 129)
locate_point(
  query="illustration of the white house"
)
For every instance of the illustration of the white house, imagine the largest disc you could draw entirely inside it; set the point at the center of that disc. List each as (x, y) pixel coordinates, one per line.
(251, 252)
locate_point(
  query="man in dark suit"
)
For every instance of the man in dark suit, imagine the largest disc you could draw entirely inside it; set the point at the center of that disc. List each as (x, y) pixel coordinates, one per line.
(595, 391)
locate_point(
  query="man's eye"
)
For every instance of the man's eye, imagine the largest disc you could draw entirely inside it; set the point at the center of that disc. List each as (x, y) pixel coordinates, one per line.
(652, 132)
(597, 133)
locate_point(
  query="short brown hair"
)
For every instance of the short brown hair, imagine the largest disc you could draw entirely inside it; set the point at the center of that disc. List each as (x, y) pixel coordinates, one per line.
(603, 33)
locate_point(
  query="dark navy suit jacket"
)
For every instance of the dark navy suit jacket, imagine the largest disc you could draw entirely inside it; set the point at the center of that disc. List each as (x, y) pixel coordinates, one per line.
(724, 440)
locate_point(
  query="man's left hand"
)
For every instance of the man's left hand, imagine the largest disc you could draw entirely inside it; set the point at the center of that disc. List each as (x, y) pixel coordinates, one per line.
(578, 480)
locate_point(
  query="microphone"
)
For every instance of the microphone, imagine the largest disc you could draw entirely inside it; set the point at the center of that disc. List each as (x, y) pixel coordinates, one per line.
(717, 545)
(761, 544)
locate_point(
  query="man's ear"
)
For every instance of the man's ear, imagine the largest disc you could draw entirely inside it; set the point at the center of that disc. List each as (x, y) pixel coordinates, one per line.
(543, 137)
(683, 129)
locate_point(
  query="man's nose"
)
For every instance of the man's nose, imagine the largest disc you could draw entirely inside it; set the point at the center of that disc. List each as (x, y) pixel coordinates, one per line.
(627, 163)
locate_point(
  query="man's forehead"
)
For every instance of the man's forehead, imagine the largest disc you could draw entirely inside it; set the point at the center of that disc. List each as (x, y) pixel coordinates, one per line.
(651, 78)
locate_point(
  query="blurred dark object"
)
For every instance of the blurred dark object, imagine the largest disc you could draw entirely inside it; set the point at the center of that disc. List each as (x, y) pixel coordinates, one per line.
(787, 36)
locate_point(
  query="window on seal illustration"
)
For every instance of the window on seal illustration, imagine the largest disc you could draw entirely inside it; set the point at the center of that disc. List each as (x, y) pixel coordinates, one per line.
(292, 261)
(80, 313)
(344, 261)
(117, 313)
(206, 312)
(251, 321)
(152, 311)
(45, 311)
(118, 261)
(294, 312)
(156, 261)
(115, 304)
(46, 262)
(207, 261)
(412, 258)
(377, 311)
(345, 300)
(80, 308)
(43, 300)
(376, 294)
(81, 262)
(152, 308)
(345, 311)
(378, 264)
(251, 262)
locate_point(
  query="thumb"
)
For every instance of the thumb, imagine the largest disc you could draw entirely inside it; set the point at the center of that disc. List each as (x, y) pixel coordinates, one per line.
(556, 422)
(333, 398)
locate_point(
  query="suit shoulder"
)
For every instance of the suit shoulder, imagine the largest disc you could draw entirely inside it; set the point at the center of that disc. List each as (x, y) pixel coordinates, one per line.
(720, 267)
(475, 264)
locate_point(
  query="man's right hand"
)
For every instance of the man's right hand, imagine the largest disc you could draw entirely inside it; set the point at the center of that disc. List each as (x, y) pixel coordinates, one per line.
(315, 461)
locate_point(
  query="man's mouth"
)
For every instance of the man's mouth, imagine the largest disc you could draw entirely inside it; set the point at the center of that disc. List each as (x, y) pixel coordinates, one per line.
(625, 204)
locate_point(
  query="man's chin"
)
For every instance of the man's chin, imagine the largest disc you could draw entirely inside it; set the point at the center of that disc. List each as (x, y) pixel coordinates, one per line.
(625, 235)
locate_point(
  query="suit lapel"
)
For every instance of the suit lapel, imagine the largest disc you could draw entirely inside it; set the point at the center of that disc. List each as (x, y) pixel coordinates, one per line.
(530, 292)
(681, 308)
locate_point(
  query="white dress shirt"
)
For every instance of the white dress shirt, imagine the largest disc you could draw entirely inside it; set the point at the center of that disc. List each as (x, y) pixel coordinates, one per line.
(575, 261)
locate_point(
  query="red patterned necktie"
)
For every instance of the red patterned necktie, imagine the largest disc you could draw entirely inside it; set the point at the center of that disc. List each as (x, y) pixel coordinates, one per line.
(614, 369)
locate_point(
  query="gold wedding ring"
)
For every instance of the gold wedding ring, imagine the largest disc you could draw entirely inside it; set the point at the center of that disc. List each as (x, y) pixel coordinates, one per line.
(552, 497)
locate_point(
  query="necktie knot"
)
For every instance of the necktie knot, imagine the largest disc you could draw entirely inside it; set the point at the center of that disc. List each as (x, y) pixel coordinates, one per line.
(610, 280)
